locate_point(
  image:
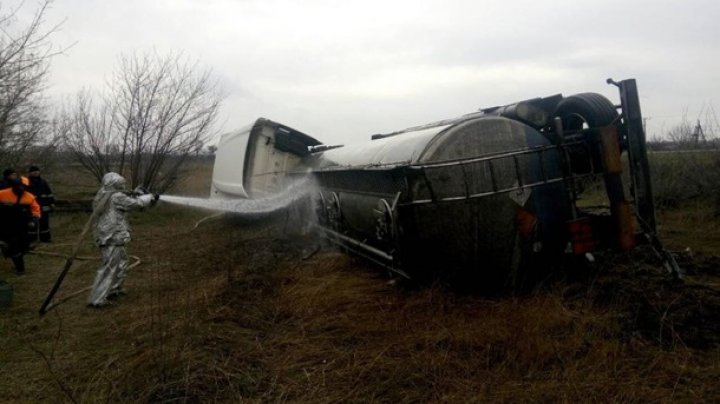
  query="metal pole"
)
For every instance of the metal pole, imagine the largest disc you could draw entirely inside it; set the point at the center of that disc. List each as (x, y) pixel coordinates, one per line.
(71, 258)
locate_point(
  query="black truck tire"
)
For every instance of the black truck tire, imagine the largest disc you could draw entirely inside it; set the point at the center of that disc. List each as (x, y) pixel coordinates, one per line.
(589, 109)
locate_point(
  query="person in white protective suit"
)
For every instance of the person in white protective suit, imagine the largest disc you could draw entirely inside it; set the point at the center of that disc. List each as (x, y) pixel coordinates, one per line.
(111, 235)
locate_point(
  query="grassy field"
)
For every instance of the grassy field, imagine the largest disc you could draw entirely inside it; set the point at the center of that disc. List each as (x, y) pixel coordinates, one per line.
(240, 311)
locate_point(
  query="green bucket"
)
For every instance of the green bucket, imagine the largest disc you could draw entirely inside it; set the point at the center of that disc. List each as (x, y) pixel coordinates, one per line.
(6, 294)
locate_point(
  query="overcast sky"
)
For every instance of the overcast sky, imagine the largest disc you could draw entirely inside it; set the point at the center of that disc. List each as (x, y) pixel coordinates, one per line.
(342, 70)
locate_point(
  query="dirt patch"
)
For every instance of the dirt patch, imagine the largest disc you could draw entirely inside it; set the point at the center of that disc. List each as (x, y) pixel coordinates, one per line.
(661, 309)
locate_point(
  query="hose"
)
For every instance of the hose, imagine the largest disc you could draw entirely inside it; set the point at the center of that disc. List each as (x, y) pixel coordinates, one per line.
(64, 299)
(69, 259)
(56, 254)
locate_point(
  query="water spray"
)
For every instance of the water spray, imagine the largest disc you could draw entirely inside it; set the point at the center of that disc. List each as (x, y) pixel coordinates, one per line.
(294, 192)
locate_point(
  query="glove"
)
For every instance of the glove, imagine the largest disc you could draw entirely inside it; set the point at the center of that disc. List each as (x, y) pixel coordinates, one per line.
(139, 190)
(156, 198)
(146, 199)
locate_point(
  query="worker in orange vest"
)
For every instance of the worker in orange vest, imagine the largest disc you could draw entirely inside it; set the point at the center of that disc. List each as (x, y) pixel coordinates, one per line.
(9, 176)
(18, 208)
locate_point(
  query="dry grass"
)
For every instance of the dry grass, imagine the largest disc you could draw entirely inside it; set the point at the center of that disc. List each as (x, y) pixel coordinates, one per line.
(232, 311)
(330, 330)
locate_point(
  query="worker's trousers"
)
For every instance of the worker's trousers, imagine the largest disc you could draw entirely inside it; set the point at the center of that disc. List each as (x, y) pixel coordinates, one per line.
(111, 274)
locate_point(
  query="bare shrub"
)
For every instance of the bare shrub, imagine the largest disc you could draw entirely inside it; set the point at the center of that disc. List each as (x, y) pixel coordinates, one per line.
(25, 53)
(156, 112)
(678, 177)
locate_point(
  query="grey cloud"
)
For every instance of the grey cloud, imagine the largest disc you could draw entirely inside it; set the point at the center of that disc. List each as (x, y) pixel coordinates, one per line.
(344, 70)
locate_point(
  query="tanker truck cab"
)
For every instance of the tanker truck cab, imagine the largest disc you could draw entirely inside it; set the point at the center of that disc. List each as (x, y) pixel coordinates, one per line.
(255, 161)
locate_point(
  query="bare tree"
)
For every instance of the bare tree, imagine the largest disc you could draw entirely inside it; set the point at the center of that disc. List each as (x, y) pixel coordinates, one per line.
(681, 135)
(25, 53)
(86, 133)
(156, 112)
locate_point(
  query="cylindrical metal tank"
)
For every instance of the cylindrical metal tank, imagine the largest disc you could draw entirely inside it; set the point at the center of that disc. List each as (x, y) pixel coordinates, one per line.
(478, 195)
(448, 198)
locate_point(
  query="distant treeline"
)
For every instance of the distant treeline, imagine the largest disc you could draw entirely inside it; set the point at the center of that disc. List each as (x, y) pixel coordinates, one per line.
(670, 145)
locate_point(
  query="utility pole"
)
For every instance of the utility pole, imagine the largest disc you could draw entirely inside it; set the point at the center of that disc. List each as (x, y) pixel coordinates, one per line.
(698, 134)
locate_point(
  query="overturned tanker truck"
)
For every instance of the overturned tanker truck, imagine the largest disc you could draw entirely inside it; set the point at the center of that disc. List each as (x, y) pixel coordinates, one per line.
(479, 196)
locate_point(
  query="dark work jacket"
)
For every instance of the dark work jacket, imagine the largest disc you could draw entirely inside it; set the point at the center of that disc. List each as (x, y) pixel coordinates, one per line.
(40, 188)
(14, 216)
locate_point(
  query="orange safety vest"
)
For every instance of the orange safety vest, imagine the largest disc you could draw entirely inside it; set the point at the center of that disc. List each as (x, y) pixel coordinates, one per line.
(7, 197)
